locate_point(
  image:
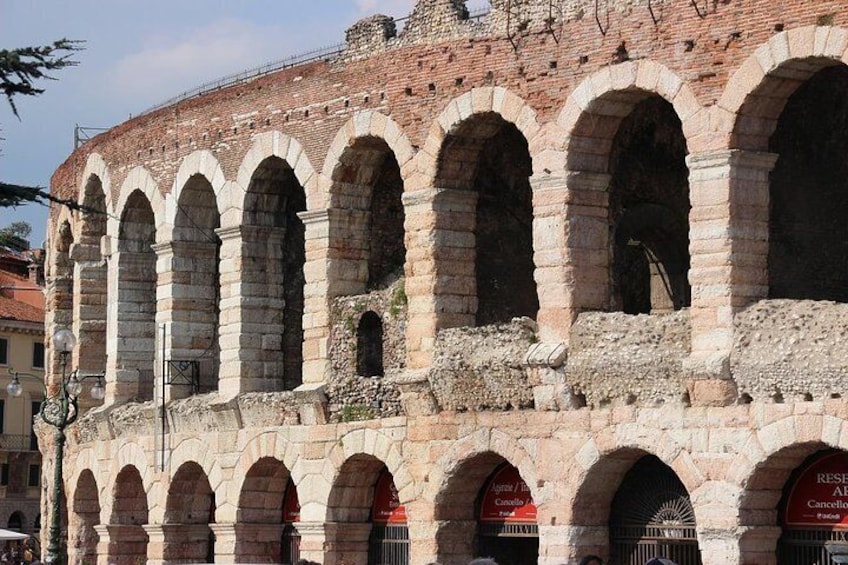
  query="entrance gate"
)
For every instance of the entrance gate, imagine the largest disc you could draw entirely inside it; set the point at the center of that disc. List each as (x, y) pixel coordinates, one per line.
(290, 540)
(388, 543)
(507, 529)
(652, 516)
(814, 512)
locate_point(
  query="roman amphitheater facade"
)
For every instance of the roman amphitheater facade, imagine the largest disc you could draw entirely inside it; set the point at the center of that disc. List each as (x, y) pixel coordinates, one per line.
(599, 243)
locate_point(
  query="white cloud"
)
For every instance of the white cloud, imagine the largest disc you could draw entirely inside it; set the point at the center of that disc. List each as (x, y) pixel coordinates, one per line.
(165, 66)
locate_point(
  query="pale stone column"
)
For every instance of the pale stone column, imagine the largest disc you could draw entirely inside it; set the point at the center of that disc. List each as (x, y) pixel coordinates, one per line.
(568, 543)
(89, 314)
(440, 286)
(252, 304)
(247, 543)
(121, 544)
(422, 541)
(130, 331)
(728, 244)
(587, 252)
(312, 540)
(186, 305)
(346, 543)
(336, 265)
(549, 257)
(58, 313)
(177, 543)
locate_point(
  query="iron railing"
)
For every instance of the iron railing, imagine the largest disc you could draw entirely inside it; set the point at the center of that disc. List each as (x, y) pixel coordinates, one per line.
(388, 545)
(635, 545)
(322, 53)
(290, 545)
(807, 546)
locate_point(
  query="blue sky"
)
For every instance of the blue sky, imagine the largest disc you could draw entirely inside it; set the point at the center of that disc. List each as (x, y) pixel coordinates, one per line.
(140, 53)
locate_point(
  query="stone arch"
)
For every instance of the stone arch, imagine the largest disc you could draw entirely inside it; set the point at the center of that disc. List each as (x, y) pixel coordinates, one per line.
(265, 445)
(481, 100)
(290, 150)
(456, 483)
(601, 100)
(96, 166)
(16, 521)
(763, 467)
(748, 103)
(602, 465)
(129, 454)
(374, 445)
(128, 513)
(84, 515)
(189, 509)
(490, 447)
(139, 178)
(193, 450)
(203, 163)
(369, 123)
(616, 119)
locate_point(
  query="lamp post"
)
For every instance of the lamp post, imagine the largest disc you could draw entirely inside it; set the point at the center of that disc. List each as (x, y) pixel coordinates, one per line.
(59, 409)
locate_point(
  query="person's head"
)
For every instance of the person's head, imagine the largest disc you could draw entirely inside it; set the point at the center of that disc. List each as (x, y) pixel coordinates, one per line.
(591, 560)
(483, 561)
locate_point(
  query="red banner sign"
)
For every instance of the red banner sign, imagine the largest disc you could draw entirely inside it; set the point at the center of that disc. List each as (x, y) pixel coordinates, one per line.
(507, 499)
(820, 495)
(387, 507)
(291, 505)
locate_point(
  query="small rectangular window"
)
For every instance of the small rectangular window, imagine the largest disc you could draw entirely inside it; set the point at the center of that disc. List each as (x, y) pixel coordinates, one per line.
(4, 351)
(34, 475)
(38, 355)
(4, 474)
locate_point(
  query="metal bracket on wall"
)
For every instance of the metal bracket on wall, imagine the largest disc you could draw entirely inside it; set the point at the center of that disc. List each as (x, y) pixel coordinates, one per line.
(653, 15)
(598, 17)
(701, 14)
(549, 21)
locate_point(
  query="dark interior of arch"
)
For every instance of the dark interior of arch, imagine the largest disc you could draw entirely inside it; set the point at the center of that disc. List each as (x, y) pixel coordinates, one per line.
(195, 223)
(87, 513)
(273, 200)
(94, 213)
(369, 345)
(129, 506)
(649, 211)
(261, 498)
(137, 282)
(387, 250)
(490, 156)
(16, 522)
(652, 502)
(808, 231)
(190, 498)
(352, 494)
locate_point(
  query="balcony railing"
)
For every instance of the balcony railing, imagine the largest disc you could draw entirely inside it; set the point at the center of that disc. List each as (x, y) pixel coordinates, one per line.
(11, 442)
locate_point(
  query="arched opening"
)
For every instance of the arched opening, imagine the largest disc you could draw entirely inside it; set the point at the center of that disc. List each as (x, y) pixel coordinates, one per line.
(90, 284)
(506, 519)
(195, 278)
(351, 503)
(808, 234)
(135, 307)
(262, 503)
(290, 540)
(652, 516)
(367, 186)
(485, 165)
(127, 538)
(369, 345)
(388, 543)
(274, 199)
(649, 211)
(16, 522)
(85, 515)
(472, 525)
(813, 513)
(191, 506)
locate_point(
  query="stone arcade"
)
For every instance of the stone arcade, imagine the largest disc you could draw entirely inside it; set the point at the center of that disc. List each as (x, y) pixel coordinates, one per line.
(590, 253)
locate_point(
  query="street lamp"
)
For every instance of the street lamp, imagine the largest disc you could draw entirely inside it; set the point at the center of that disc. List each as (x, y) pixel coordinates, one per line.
(59, 409)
